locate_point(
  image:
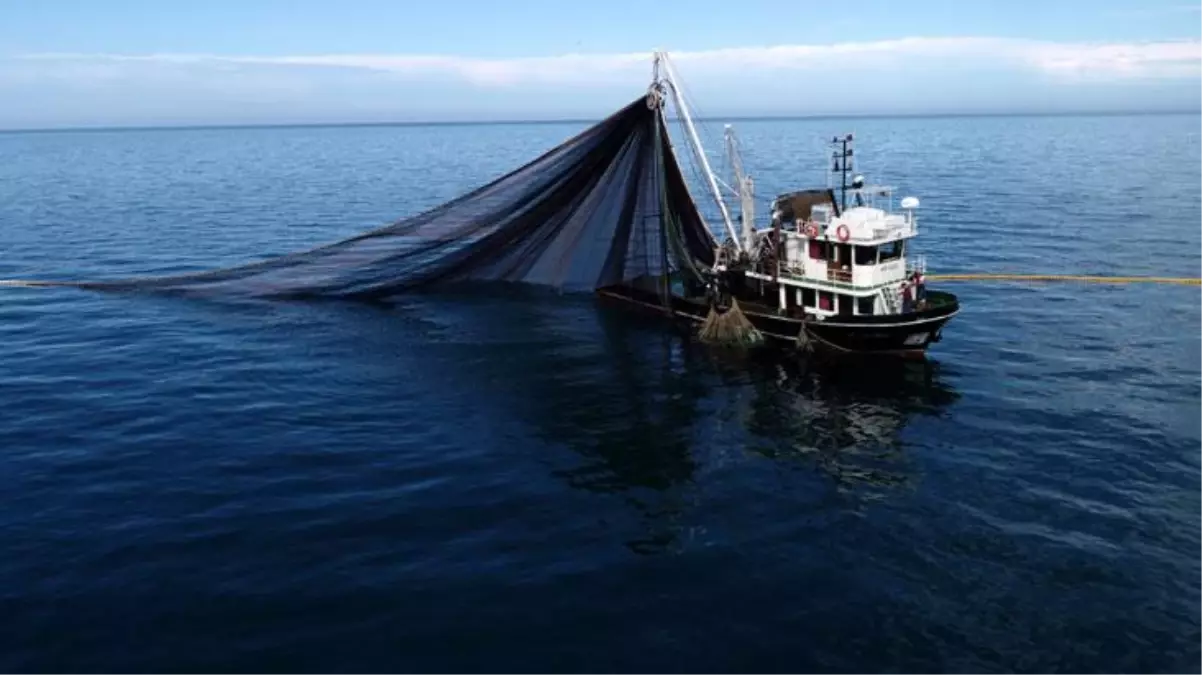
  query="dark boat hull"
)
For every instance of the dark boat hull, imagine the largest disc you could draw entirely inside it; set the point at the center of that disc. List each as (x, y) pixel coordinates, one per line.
(907, 334)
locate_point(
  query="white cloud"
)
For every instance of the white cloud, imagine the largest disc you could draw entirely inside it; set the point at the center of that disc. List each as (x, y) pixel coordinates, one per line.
(906, 75)
(1163, 59)
(1089, 60)
(1155, 12)
(564, 69)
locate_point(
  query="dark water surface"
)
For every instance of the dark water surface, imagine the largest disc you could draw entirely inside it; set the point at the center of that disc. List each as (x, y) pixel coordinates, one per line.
(532, 481)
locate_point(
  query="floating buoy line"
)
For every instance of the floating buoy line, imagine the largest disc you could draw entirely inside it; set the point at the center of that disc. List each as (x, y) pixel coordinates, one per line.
(30, 283)
(1184, 281)
(1181, 281)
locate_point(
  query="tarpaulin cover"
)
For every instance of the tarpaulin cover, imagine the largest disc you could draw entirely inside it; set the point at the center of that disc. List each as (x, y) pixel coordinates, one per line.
(606, 207)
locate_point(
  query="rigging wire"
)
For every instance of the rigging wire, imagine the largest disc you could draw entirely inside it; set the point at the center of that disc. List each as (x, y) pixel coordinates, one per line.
(697, 152)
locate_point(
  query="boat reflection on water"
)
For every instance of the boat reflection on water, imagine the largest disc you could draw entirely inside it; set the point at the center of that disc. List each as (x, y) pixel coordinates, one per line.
(666, 422)
(686, 442)
(667, 425)
(845, 419)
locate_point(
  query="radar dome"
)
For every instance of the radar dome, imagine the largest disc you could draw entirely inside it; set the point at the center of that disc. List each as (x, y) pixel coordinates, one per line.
(909, 203)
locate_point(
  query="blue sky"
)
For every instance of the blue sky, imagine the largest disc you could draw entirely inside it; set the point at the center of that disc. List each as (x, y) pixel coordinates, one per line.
(151, 62)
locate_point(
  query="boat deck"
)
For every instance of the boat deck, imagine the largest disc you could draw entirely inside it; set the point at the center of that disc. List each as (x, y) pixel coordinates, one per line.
(909, 333)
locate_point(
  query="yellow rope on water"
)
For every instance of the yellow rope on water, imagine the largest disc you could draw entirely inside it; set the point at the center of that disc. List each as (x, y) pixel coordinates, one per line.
(1186, 281)
(30, 284)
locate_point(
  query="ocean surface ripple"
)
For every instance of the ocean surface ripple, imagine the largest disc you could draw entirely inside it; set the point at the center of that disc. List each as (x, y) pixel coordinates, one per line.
(535, 482)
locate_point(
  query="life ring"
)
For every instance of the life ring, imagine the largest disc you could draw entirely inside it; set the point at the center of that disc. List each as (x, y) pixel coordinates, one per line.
(843, 233)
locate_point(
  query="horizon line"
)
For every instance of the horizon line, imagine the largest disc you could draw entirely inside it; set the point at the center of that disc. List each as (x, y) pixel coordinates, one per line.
(593, 120)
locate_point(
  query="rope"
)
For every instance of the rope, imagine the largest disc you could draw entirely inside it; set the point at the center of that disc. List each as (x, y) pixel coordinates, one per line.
(22, 283)
(1183, 281)
(1186, 281)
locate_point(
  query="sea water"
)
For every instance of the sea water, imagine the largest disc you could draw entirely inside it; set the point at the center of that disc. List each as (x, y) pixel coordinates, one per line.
(540, 483)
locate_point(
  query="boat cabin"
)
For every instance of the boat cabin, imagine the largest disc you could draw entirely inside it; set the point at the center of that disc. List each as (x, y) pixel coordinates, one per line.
(834, 262)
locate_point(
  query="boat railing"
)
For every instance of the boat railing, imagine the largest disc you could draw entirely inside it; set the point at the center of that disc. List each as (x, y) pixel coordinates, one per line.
(794, 268)
(905, 229)
(917, 264)
(838, 275)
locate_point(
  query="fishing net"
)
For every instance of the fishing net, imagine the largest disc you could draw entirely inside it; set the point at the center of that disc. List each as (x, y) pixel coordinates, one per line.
(606, 207)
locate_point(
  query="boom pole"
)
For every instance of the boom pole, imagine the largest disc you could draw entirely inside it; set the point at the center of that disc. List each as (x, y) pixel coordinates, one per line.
(745, 188)
(670, 73)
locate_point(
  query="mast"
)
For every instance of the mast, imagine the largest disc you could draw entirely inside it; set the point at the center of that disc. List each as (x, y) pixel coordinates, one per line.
(842, 159)
(669, 72)
(745, 187)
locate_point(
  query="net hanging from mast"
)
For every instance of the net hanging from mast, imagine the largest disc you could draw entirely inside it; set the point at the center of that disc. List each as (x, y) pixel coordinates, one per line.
(606, 207)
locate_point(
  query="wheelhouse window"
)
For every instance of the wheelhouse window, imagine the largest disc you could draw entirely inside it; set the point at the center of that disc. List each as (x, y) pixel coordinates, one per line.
(865, 255)
(893, 250)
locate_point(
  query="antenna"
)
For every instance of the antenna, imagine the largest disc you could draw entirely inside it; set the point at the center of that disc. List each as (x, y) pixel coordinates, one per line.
(842, 164)
(909, 204)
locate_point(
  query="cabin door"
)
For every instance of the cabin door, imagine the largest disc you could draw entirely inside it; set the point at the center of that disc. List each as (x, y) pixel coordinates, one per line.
(843, 254)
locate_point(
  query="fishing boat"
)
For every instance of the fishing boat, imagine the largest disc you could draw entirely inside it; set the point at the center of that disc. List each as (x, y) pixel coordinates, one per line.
(830, 269)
